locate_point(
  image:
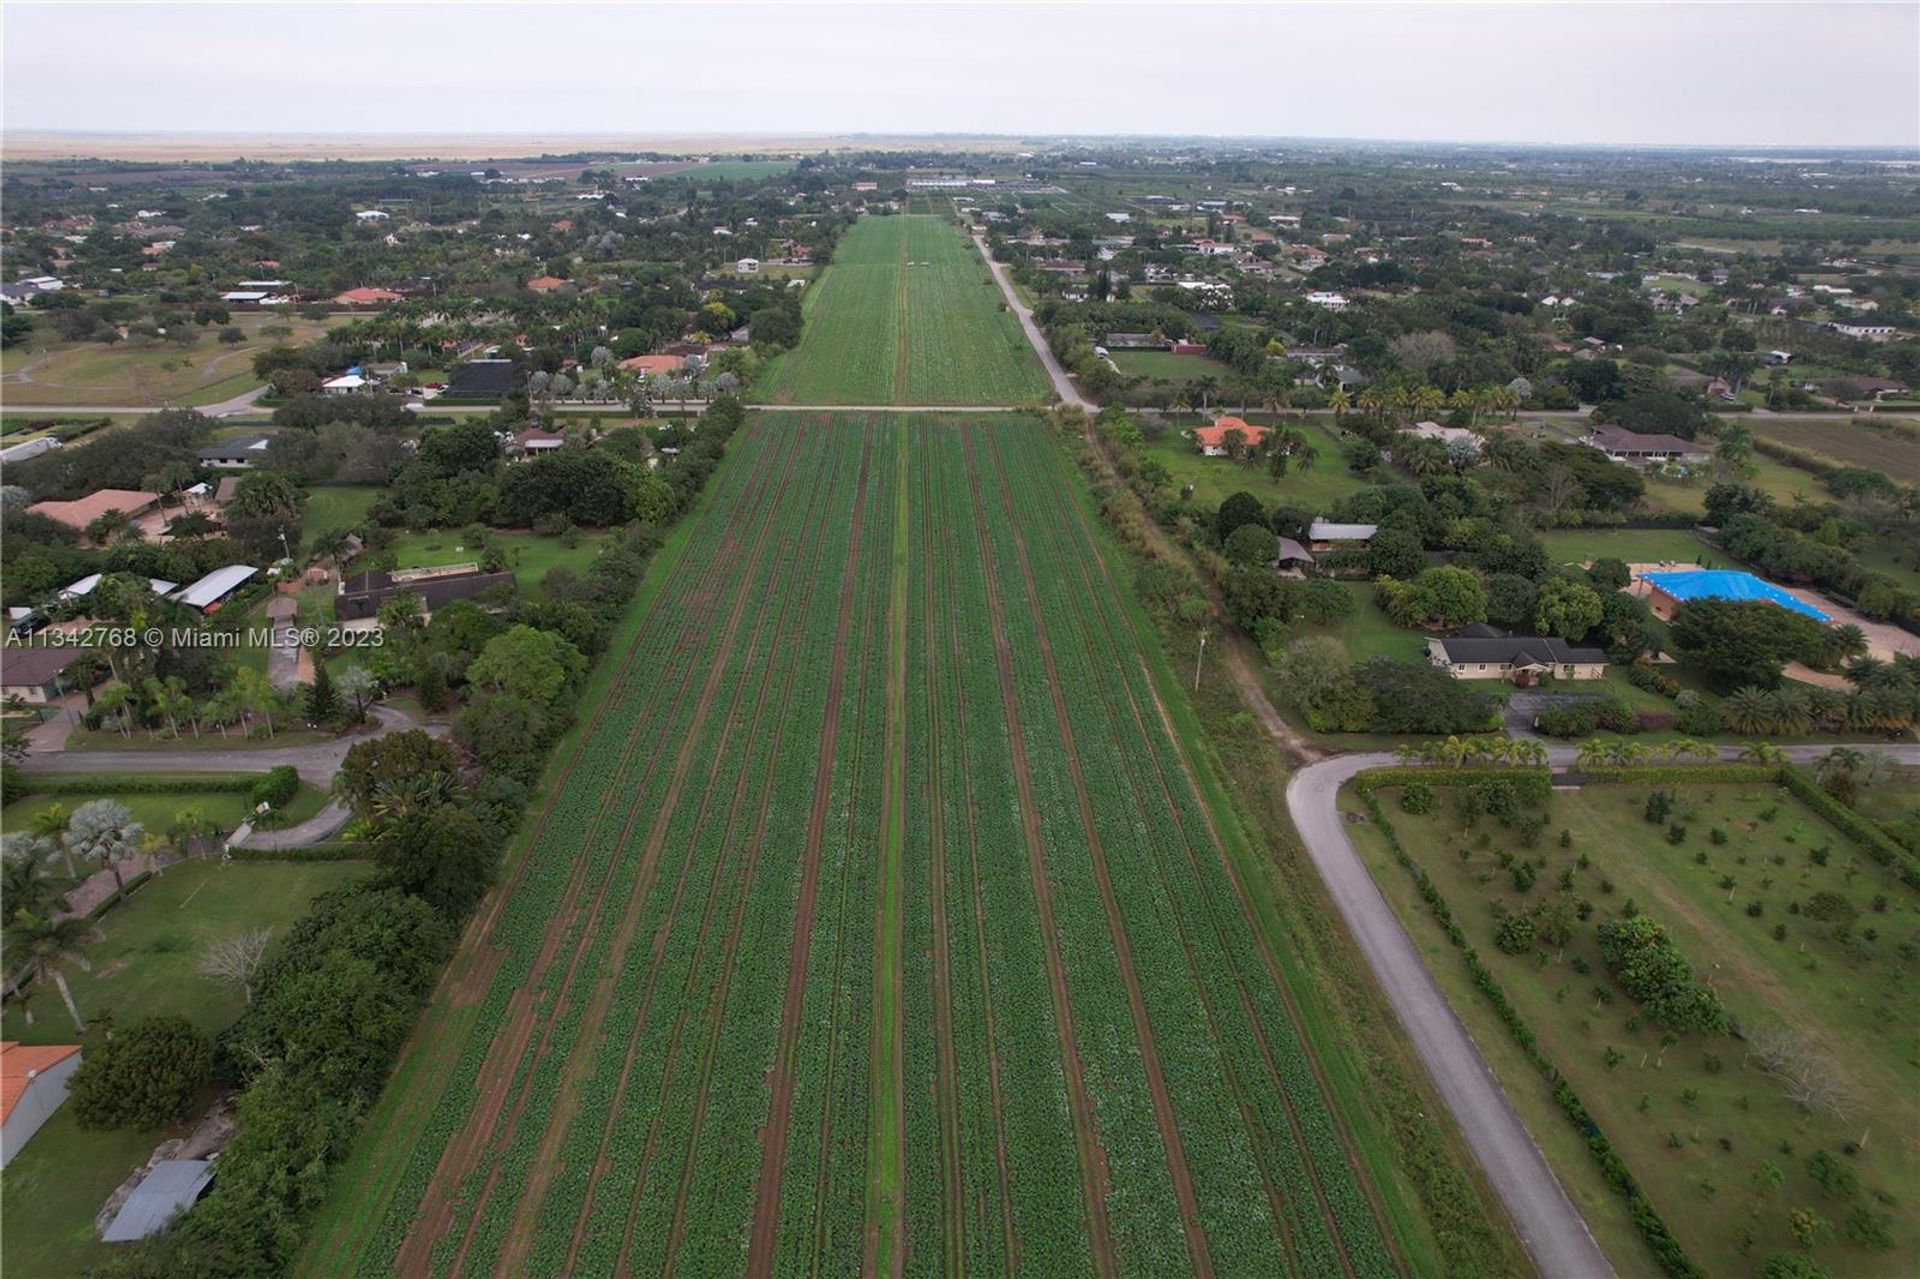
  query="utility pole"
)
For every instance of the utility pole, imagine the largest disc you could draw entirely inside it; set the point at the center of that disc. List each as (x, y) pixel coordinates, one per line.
(1198, 657)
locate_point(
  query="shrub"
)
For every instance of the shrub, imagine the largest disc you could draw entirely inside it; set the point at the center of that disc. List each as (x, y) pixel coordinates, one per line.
(1835, 1179)
(1417, 799)
(1516, 934)
(278, 787)
(147, 1076)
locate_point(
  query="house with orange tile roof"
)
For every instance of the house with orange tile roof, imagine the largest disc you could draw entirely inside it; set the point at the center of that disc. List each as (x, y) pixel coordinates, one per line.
(654, 365)
(82, 511)
(366, 297)
(546, 283)
(33, 1083)
(1213, 439)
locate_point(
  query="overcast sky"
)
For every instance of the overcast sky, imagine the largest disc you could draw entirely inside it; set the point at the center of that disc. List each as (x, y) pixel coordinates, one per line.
(1755, 74)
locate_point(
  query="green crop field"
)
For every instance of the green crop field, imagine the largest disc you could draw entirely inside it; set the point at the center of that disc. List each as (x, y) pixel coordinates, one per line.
(1787, 920)
(907, 314)
(1849, 442)
(873, 921)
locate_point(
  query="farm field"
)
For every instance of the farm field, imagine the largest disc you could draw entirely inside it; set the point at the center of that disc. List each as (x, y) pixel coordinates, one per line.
(873, 922)
(1845, 440)
(906, 314)
(1694, 1117)
(1214, 479)
(47, 371)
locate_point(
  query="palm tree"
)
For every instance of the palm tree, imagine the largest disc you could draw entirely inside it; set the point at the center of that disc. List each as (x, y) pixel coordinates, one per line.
(170, 698)
(103, 830)
(113, 700)
(1339, 402)
(45, 946)
(333, 546)
(1528, 752)
(191, 827)
(1792, 714)
(50, 824)
(1627, 753)
(1843, 761)
(1593, 751)
(1762, 753)
(1838, 644)
(25, 881)
(1748, 711)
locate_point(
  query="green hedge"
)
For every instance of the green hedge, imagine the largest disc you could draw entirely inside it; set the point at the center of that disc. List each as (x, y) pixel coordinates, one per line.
(135, 784)
(1667, 1250)
(344, 852)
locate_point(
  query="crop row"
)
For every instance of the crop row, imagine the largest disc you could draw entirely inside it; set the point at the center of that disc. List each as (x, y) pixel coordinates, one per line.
(681, 633)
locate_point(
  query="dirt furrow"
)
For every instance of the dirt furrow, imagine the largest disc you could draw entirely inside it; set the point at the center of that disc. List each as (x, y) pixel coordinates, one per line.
(1123, 951)
(766, 1209)
(1092, 1158)
(464, 1153)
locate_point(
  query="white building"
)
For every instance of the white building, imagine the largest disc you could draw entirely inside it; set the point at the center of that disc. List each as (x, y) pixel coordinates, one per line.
(1331, 301)
(33, 1084)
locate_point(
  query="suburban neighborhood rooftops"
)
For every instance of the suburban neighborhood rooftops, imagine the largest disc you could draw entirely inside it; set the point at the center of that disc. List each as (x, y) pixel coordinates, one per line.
(170, 1186)
(215, 586)
(1729, 584)
(1517, 650)
(1617, 439)
(82, 511)
(19, 1063)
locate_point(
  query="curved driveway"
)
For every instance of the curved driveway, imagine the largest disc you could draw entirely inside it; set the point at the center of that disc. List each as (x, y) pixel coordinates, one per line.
(1554, 1232)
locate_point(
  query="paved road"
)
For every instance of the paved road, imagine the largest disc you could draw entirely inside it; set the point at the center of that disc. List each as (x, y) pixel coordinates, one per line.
(316, 762)
(1063, 385)
(1554, 1232)
(242, 403)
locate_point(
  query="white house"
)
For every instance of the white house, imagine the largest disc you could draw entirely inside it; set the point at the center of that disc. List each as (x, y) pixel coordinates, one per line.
(747, 266)
(33, 1083)
(372, 215)
(346, 384)
(1331, 301)
(1860, 326)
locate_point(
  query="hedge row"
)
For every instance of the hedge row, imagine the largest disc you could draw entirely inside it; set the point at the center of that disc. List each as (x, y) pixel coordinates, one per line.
(342, 852)
(1666, 1249)
(135, 784)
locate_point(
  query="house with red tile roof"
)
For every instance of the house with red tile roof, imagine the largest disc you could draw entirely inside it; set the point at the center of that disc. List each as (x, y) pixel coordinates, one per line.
(366, 297)
(82, 511)
(654, 365)
(546, 283)
(33, 1084)
(1213, 439)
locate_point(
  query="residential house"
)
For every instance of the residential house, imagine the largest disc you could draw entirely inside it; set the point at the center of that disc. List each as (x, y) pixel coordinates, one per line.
(348, 383)
(1213, 439)
(1292, 557)
(35, 675)
(534, 441)
(33, 1084)
(546, 283)
(1519, 659)
(1631, 447)
(365, 297)
(80, 588)
(357, 605)
(1324, 535)
(1863, 327)
(1451, 436)
(82, 511)
(238, 454)
(647, 366)
(747, 266)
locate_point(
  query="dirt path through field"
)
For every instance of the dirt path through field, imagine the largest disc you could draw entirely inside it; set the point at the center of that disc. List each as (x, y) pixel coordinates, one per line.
(764, 1235)
(1116, 925)
(1093, 1165)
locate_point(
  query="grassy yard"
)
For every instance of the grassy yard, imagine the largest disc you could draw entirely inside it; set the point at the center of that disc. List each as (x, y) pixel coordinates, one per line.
(1165, 366)
(1630, 545)
(1777, 479)
(48, 371)
(1693, 1119)
(1214, 479)
(156, 811)
(529, 555)
(1369, 632)
(146, 961)
(333, 508)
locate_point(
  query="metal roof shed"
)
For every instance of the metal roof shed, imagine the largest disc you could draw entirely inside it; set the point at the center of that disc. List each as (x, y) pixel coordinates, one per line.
(215, 586)
(173, 1186)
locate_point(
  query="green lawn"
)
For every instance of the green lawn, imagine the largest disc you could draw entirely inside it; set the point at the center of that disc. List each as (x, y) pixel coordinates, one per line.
(906, 314)
(156, 811)
(336, 507)
(1369, 632)
(45, 370)
(1165, 366)
(529, 555)
(1630, 545)
(145, 962)
(1777, 479)
(1695, 1121)
(1214, 479)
